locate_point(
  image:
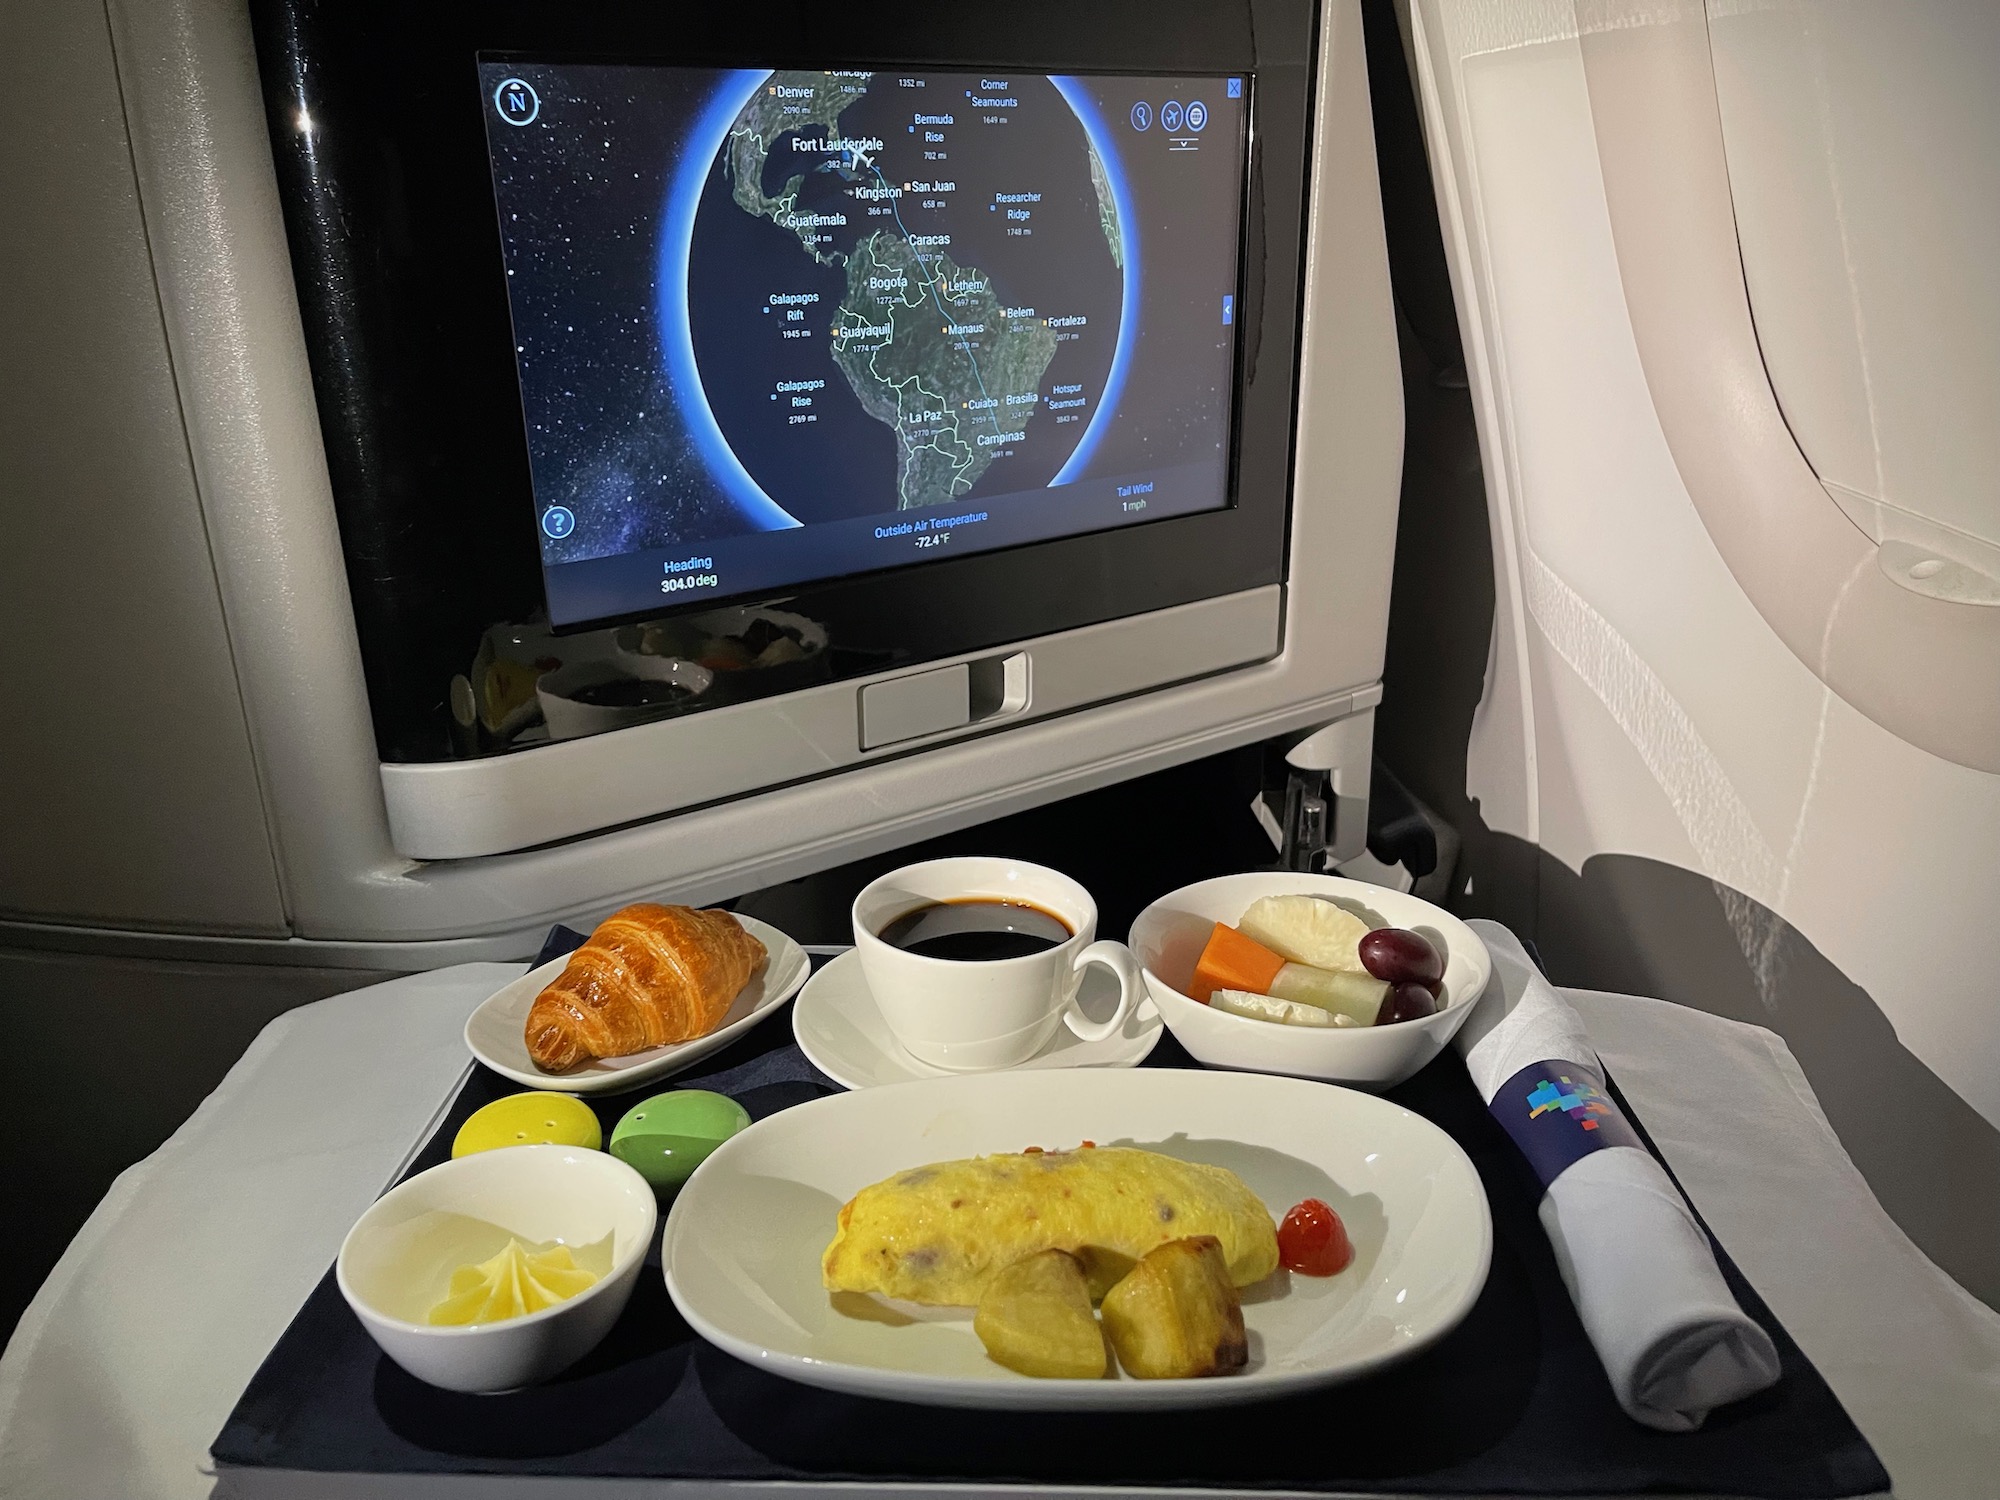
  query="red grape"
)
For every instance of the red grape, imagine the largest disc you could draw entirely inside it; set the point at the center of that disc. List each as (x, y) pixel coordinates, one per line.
(1400, 956)
(1313, 1241)
(1406, 1002)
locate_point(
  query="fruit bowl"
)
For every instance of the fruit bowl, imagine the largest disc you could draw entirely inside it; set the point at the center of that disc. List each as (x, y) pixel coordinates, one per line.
(1169, 935)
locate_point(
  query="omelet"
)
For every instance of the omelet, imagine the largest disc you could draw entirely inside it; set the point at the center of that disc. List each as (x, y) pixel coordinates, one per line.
(938, 1234)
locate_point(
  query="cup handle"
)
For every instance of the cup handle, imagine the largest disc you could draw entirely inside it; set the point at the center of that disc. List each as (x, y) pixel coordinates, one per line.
(1131, 985)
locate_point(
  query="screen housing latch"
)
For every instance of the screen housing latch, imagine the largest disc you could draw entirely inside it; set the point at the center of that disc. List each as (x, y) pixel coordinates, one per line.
(942, 699)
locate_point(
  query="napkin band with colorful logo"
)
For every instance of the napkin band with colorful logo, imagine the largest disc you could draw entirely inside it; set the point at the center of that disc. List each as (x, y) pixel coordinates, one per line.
(1558, 1113)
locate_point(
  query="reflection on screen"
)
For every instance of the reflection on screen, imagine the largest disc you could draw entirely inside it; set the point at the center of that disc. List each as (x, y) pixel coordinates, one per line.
(779, 327)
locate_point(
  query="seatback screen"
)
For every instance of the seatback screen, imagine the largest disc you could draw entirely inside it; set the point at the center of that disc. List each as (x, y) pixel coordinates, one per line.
(778, 327)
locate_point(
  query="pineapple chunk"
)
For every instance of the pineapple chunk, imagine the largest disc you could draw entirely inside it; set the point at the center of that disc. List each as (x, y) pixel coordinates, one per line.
(1035, 1317)
(1307, 930)
(1177, 1315)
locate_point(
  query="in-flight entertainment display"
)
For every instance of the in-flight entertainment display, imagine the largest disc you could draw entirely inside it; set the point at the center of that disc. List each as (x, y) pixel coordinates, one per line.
(778, 327)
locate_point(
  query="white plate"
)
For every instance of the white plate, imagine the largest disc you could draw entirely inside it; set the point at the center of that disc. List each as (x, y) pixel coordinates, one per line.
(496, 1032)
(840, 1029)
(742, 1245)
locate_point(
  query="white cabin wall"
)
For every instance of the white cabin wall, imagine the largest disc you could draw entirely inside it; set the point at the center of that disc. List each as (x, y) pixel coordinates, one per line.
(1860, 149)
(1714, 823)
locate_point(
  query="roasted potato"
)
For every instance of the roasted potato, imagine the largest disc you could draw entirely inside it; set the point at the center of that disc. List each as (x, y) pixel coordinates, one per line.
(1035, 1317)
(1103, 1269)
(1177, 1314)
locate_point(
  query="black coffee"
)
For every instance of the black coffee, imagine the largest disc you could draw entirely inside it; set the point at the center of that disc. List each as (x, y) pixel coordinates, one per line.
(977, 931)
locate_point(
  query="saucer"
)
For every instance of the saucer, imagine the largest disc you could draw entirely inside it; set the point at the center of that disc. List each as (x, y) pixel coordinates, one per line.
(840, 1029)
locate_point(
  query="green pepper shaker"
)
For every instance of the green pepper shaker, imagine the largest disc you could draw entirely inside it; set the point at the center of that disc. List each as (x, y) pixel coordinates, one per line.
(671, 1134)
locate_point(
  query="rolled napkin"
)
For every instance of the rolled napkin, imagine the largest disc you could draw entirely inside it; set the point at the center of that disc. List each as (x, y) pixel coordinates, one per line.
(1638, 1266)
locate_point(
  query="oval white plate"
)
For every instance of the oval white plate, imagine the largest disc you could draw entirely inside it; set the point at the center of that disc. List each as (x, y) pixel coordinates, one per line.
(840, 1029)
(742, 1245)
(496, 1031)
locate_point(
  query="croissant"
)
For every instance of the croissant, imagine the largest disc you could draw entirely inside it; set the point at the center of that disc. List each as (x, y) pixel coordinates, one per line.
(648, 976)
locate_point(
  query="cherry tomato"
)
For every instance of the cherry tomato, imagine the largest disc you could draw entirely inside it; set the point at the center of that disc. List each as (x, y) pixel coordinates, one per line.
(1313, 1241)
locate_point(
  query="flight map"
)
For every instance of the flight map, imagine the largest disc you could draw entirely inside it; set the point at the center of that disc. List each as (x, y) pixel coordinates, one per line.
(881, 307)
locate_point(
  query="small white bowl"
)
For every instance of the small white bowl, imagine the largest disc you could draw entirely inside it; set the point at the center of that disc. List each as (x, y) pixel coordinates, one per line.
(1169, 935)
(398, 1258)
(569, 717)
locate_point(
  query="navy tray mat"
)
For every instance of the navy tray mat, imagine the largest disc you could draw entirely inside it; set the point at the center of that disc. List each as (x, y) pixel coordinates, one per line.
(1513, 1401)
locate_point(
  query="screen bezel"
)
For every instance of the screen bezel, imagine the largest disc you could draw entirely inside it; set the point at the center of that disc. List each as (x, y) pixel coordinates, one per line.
(801, 588)
(388, 203)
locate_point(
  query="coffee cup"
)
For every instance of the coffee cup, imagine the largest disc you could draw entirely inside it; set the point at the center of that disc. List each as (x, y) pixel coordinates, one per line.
(1002, 965)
